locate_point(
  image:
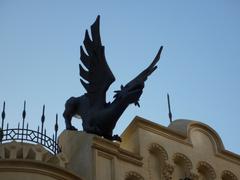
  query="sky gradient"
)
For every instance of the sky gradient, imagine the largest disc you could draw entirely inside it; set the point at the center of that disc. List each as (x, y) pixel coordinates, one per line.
(199, 66)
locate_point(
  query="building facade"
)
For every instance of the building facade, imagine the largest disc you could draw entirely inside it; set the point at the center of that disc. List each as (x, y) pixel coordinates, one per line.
(148, 151)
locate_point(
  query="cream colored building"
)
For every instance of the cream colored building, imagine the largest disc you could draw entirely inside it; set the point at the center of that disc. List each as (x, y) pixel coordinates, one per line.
(149, 151)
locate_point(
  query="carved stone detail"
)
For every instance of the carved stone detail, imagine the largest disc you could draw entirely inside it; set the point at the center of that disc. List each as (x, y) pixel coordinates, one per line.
(131, 174)
(167, 171)
(156, 147)
(229, 174)
(17, 150)
(183, 158)
(203, 164)
(193, 176)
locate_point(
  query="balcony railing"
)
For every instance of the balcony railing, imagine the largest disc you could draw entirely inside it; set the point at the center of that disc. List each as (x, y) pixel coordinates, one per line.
(24, 134)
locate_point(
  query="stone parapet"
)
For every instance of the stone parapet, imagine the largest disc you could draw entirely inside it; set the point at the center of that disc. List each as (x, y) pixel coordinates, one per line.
(96, 158)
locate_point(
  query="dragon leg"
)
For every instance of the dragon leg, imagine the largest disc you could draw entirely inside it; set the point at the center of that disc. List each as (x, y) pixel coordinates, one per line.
(68, 113)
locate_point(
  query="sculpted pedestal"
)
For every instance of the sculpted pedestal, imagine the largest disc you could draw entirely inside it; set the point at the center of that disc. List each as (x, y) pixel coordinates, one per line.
(95, 158)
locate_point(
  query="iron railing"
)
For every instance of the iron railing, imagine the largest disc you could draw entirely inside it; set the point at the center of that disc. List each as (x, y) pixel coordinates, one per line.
(24, 134)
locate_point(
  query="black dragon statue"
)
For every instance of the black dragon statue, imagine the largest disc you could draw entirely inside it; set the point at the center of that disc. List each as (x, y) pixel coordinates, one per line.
(99, 117)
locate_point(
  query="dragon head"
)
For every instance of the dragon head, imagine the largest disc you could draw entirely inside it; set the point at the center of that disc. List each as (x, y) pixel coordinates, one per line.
(131, 92)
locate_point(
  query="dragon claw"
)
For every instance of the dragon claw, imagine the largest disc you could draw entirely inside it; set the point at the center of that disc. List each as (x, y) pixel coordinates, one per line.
(116, 138)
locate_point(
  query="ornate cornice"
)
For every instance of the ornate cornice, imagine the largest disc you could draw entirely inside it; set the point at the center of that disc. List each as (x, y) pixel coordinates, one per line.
(180, 131)
(115, 149)
(227, 173)
(38, 167)
(202, 165)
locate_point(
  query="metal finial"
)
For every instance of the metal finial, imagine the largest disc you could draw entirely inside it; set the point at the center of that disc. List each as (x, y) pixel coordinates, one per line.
(42, 122)
(24, 114)
(24, 110)
(169, 108)
(56, 127)
(3, 115)
(43, 114)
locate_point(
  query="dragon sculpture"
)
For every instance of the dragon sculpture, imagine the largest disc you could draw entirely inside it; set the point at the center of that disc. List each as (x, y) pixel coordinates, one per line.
(99, 117)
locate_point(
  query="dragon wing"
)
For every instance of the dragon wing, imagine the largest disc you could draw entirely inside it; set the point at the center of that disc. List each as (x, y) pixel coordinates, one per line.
(142, 77)
(136, 85)
(152, 67)
(96, 77)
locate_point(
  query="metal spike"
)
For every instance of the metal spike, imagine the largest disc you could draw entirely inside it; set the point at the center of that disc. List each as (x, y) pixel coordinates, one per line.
(3, 115)
(43, 114)
(42, 122)
(26, 135)
(45, 132)
(38, 133)
(56, 125)
(24, 114)
(56, 130)
(24, 110)
(7, 131)
(169, 108)
(18, 128)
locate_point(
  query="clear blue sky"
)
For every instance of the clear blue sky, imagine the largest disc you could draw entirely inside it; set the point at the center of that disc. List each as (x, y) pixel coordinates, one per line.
(199, 67)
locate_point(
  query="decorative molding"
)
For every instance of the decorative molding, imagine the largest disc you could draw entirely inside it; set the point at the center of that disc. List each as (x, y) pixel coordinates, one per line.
(167, 171)
(193, 176)
(17, 150)
(182, 136)
(156, 147)
(37, 167)
(179, 157)
(113, 148)
(204, 165)
(139, 122)
(134, 174)
(229, 174)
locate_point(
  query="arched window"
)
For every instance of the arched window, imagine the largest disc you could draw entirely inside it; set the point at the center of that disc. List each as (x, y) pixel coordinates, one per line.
(206, 171)
(182, 166)
(157, 166)
(228, 175)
